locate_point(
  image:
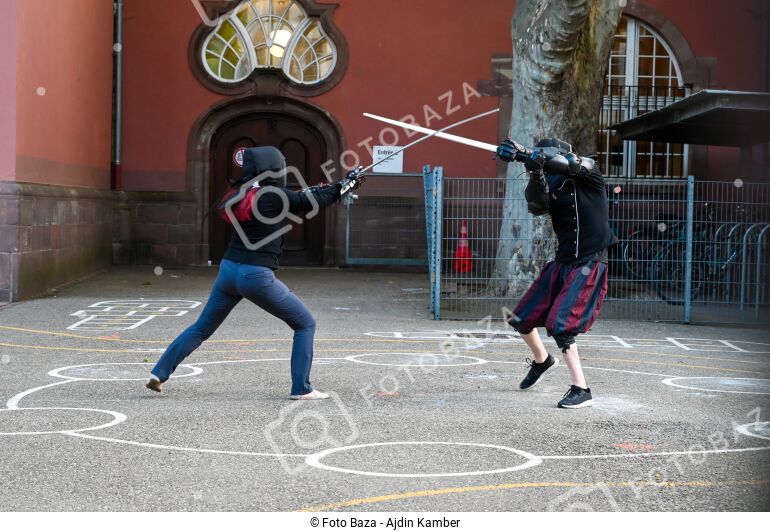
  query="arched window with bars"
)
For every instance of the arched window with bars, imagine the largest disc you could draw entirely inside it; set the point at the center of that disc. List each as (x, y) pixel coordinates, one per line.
(642, 76)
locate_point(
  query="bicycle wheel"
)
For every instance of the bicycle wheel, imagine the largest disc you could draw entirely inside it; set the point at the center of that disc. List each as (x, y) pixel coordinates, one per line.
(669, 270)
(638, 251)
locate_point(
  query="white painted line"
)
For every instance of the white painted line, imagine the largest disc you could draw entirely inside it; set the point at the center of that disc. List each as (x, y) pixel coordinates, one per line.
(678, 344)
(728, 344)
(647, 455)
(117, 418)
(592, 367)
(475, 361)
(57, 372)
(622, 342)
(670, 382)
(261, 360)
(176, 448)
(13, 402)
(314, 460)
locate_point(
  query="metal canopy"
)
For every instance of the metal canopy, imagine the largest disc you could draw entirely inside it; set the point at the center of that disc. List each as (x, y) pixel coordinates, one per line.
(712, 117)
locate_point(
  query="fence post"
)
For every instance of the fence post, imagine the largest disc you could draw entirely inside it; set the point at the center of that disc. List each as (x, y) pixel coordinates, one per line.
(347, 200)
(688, 249)
(745, 262)
(438, 198)
(758, 274)
(427, 179)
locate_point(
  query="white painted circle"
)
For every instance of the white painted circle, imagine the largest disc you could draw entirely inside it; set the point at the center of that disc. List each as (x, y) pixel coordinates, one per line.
(158, 270)
(58, 372)
(429, 359)
(117, 418)
(314, 460)
(40, 91)
(712, 384)
(760, 429)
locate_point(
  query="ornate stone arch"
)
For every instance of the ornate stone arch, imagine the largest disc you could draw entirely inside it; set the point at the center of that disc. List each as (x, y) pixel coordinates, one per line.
(269, 81)
(199, 149)
(696, 71)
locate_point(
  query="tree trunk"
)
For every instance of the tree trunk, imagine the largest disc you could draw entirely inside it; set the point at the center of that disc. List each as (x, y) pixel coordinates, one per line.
(560, 54)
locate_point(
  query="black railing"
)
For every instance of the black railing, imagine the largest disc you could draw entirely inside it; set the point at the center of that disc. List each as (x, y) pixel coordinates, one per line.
(631, 159)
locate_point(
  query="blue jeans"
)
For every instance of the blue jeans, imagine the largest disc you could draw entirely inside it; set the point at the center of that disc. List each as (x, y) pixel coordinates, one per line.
(259, 285)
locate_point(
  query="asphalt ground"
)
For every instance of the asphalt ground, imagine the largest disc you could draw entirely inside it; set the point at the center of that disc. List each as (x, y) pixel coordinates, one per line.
(424, 415)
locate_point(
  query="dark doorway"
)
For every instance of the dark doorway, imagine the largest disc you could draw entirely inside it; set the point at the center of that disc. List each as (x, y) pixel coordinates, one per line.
(304, 148)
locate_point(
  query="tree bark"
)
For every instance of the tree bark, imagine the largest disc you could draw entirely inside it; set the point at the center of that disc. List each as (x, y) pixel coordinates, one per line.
(560, 54)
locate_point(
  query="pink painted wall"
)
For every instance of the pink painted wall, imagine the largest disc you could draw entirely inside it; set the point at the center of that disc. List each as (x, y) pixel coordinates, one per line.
(9, 11)
(731, 32)
(398, 65)
(65, 54)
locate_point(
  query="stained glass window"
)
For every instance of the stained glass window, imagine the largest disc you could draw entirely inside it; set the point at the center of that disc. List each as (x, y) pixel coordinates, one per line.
(269, 34)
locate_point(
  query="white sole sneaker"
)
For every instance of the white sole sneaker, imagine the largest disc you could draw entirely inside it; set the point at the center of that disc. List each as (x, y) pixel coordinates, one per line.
(314, 395)
(584, 404)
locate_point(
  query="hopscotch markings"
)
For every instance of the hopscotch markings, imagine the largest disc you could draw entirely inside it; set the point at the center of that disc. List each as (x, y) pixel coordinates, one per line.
(125, 315)
(678, 344)
(622, 342)
(473, 339)
(729, 344)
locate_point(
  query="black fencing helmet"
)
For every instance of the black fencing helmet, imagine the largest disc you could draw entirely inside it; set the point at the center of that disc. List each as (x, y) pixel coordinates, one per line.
(557, 145)
(265, 159)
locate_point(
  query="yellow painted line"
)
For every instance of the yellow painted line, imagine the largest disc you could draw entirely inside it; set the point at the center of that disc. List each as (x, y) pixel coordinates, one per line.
(168, 341)
(525, 485)
(491, 346)
(50, 348)
(202, 351)
(343, 350)
(506, 347)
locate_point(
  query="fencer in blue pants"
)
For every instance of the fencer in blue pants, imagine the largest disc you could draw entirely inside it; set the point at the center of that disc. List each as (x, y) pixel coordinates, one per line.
(257, 207)
(259, 285)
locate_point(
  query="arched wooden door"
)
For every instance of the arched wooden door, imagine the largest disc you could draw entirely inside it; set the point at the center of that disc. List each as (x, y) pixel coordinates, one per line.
(304, 148)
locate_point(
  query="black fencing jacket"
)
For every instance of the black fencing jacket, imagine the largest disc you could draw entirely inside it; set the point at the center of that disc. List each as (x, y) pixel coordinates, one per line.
(579, 211)
(269, 236)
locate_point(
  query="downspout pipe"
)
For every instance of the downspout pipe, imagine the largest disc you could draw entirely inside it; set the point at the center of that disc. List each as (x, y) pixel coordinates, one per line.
(116, 181)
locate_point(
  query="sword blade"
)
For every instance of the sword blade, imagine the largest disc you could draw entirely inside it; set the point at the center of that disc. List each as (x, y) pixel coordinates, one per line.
(433, 133)
(440, 133)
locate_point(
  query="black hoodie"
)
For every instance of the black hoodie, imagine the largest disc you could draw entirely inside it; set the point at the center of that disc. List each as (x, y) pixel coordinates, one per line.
(260, 242)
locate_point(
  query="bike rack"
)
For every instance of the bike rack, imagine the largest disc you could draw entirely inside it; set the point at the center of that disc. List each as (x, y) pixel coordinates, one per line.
(744, 262)
(726, 243)
(758, 273)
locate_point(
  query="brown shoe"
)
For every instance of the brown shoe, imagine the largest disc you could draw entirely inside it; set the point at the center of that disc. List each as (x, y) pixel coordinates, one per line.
(153, 385)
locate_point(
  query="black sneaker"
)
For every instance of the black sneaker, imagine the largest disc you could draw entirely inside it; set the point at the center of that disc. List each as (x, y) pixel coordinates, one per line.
(538, 371)
(577, 397)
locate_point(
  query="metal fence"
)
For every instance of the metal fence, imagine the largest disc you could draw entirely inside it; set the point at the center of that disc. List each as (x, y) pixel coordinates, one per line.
(385, 222)
(689, 251)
